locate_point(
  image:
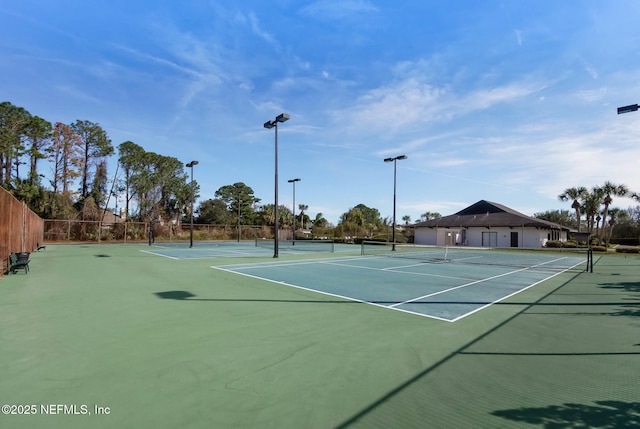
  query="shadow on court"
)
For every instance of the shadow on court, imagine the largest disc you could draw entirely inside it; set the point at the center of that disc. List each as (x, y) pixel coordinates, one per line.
(603, 414)
(531, 360)
(628, 310)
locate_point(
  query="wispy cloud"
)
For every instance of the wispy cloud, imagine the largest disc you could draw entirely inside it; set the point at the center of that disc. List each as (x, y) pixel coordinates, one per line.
(411, 99)
(264, 35)
(146, 57)
(76, 93)
(339, 9)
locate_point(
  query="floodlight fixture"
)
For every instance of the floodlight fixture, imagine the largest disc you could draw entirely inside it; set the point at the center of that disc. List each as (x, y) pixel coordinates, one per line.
(627, 109)
(283, 117)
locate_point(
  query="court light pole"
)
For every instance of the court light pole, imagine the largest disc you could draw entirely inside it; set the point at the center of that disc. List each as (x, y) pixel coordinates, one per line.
(294, 207)
(393, 232)
(191, 165)
(238, 216)
(273, 123)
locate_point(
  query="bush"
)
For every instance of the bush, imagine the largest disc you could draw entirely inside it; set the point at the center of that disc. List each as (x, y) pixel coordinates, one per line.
(626, 241)
(627, 250)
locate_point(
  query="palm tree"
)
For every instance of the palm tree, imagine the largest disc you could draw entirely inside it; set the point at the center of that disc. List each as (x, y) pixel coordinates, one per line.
(615, 216)
(318, 225)
(429, 215)
(591, 204)
(577, 195)
(303, 208)
(406, 219)
(267, 214)
(609, 189)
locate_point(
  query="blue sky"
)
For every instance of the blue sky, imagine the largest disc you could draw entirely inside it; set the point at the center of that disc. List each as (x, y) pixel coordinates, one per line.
(508, 101)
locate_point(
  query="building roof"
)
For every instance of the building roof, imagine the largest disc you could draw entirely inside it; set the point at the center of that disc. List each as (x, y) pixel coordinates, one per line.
(110, 217)
(488, 214)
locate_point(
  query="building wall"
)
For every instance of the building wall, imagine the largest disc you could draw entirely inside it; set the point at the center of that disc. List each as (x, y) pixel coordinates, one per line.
(531, 238)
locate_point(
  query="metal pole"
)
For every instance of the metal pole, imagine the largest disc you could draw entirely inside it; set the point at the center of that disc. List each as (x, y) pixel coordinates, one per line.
(275, 208)
(192, 196)
(393, 233)
(271, 124)
(294, 213)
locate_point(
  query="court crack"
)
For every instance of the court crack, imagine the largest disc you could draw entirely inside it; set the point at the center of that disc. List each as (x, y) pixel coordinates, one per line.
(229, 385)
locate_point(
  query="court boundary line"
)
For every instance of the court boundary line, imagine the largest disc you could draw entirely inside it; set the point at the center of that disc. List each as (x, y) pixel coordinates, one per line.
(159, 254)
(346, 298)
(491, 278)
(394, 306)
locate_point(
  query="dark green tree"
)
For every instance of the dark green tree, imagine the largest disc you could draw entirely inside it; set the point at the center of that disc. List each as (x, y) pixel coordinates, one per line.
(561, 217)
(38, 133)
(130, 157)
(214, 211)
(13, 123)
(99, 187)
(240, 201)
(95, 145)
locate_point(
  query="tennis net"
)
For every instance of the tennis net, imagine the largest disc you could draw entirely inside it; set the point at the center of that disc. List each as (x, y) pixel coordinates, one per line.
(302, 245)
(522, 258)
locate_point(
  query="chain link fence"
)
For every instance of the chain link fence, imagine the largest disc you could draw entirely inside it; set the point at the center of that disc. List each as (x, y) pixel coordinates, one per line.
(66, 231)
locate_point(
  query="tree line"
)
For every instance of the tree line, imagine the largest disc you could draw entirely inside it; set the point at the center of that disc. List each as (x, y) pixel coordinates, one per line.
(155, 186)
(152, 186)
(593, 209)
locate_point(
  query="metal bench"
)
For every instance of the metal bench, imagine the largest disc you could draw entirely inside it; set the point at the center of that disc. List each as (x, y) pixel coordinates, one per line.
(19, 260)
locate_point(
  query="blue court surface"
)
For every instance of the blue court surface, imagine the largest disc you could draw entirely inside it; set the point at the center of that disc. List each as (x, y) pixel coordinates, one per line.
(230, 249)
(447, 291)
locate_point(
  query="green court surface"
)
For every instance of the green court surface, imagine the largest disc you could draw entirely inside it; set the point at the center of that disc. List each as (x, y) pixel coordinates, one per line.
(104, 336)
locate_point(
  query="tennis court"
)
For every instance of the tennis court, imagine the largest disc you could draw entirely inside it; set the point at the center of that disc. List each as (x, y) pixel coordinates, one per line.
(145, 340)
(427, 281)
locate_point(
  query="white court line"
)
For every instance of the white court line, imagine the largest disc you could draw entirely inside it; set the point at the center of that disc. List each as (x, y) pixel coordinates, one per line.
(490, 278)
(332, 261)
(160, 254)
(457, 287)
(347, 298)
(233, 268)
(514, 293)
(395, 270)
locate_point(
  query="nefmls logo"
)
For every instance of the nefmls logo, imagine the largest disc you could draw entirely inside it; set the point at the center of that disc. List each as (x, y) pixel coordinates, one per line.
(66, 409)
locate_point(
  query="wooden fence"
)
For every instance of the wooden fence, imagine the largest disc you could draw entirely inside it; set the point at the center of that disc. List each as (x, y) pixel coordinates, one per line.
(21, 230)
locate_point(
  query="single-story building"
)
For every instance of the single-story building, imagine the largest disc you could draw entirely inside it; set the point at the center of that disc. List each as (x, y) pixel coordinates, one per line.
(487, 224)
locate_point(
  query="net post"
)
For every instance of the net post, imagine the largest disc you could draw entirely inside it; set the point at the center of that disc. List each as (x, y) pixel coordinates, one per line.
(580, 236)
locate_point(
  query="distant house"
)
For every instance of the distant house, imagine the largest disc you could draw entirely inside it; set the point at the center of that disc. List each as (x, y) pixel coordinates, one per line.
(487, 224)
(109, 218)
